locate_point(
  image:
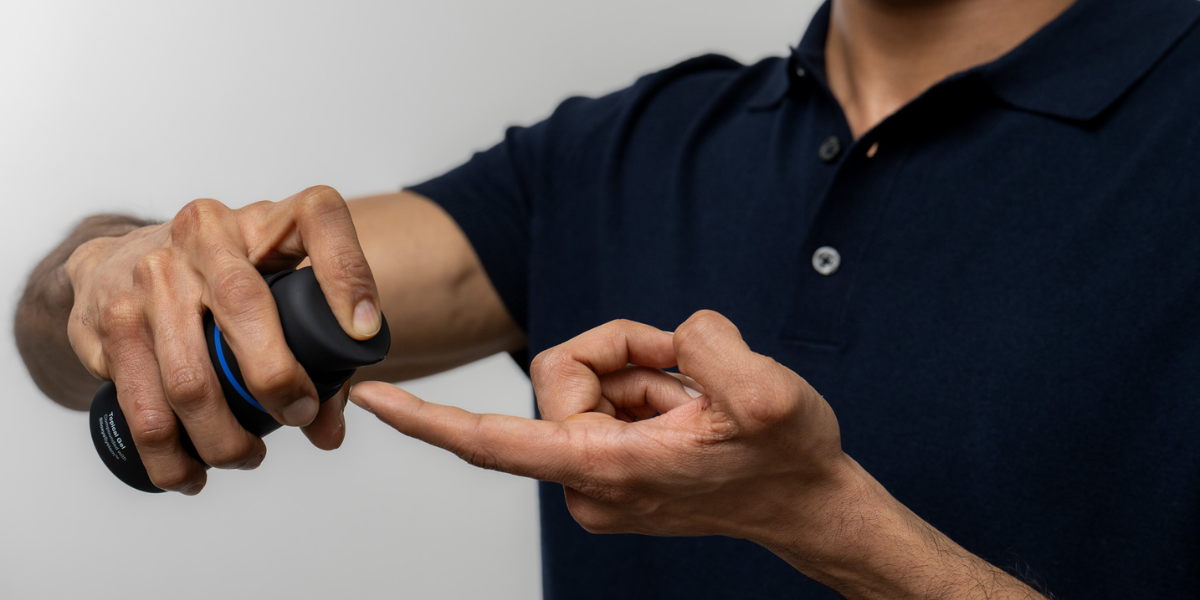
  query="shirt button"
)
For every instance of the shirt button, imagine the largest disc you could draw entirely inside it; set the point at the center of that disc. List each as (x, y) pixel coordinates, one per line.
(800, 72)
(830, 149)
(826, 260)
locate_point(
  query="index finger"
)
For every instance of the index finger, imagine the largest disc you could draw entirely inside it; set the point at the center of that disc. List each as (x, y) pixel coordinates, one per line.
(244, 310)
(526, 447)
(566, 377)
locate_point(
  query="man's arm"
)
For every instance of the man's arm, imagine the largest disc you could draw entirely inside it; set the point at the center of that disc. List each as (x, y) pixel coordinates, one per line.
(123, 299)
(736, 445)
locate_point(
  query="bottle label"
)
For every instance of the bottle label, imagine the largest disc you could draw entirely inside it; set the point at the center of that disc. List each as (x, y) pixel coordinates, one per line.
(112, 440)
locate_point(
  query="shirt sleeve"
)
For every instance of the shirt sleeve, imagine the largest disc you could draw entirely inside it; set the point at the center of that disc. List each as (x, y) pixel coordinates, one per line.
(493, 197)
(496, 196)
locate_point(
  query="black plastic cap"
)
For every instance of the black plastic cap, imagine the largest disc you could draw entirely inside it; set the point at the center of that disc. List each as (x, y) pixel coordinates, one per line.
(314, 334)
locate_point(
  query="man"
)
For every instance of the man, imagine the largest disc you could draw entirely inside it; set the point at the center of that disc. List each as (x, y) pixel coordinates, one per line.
(969, 224)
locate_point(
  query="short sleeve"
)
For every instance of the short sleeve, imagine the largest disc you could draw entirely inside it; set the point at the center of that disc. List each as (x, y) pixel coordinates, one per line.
(496, 196)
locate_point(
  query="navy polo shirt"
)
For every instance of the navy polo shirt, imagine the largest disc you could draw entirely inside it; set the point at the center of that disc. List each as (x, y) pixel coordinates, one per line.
(997, 288)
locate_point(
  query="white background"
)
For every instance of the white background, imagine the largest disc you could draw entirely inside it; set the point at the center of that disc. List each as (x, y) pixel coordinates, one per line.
(141, 106)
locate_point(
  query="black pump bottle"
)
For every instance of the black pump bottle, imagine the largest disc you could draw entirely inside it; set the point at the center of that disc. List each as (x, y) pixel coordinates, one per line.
(314, 337)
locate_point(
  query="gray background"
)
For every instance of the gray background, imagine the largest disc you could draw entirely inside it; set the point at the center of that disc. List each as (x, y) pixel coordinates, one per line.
(141, 106)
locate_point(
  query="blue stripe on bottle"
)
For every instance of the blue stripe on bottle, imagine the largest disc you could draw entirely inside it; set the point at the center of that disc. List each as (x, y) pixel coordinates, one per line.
(229, 374)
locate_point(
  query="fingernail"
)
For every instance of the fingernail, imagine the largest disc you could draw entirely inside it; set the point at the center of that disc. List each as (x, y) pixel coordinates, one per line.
(691, 392)
(301, 412)
(361, 404)
(193, 489)
(253, 463)
(366, 318)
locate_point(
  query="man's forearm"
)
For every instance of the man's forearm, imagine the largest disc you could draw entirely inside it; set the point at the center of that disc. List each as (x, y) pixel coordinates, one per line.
(874, 547)
(40, 324)
(442, 306)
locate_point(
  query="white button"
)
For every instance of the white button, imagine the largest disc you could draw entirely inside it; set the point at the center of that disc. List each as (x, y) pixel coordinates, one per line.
(800, 72)
(826, 260)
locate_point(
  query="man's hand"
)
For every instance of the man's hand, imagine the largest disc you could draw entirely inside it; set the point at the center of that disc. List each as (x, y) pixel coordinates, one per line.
(709, 464)
(139, 300)
(735, 445)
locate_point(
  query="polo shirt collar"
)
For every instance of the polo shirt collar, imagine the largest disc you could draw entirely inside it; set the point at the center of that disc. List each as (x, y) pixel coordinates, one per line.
(1084, 60)
(1073, 68)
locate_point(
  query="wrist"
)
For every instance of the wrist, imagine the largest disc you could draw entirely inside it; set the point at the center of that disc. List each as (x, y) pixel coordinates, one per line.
(828, 535)
(864, 543)
(859, 539)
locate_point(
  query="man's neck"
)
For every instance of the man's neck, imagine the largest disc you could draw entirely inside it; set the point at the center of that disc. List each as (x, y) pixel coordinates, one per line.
(882, 54)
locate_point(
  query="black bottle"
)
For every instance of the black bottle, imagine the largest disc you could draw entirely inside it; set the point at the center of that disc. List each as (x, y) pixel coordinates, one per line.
(314, 337)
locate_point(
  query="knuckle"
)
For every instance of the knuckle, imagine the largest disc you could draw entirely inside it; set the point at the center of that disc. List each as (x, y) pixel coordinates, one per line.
(195, 216)
(351, 263)
(538, 363)
(623, 325)
(255, 209)
(239, 291)
(120, 317)
(187, 388)
(548, 362)
(82, 254)
(616, 332)
(320, 199)
(699, 326)
(272, 378)
(152, 268)
(153, 429)
(553, 367)
(258, 228)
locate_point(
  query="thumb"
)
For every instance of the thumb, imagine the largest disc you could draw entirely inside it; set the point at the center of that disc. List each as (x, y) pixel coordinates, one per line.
(754, 389)
(325, 229)
(710, 350)
(709, 346)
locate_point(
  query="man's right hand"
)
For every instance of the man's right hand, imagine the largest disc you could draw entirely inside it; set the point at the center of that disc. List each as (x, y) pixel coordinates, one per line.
(137, 316)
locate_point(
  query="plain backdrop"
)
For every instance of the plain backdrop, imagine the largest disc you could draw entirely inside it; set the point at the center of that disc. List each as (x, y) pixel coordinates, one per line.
(142, 106)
